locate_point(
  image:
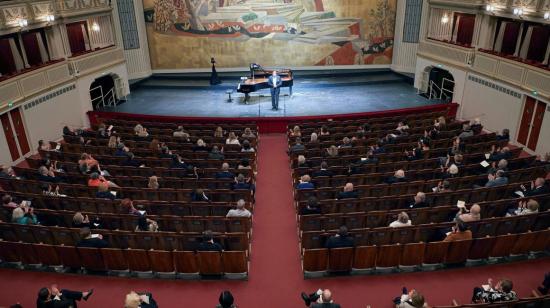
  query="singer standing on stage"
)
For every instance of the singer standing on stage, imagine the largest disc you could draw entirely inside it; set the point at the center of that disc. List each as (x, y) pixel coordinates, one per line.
(275, 83)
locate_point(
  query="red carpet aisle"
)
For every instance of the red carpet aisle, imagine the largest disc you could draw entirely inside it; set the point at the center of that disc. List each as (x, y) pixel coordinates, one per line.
(275, 273)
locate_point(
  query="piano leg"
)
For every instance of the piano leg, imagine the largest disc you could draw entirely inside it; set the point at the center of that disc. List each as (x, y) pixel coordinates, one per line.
(290, 90)
(246, 98)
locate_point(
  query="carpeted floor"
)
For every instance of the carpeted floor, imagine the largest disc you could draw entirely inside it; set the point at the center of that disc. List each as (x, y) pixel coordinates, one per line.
(275, 273)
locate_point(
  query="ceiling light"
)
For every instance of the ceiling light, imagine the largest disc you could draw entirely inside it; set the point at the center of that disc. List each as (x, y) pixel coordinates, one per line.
(547, 15)
(445, 19)
(518, 11)
(50, 18)
(22, 22)
(95, 27)
(489, 8)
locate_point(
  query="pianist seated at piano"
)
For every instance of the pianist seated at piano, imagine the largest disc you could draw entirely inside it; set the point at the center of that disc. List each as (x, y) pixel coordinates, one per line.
(259, 78)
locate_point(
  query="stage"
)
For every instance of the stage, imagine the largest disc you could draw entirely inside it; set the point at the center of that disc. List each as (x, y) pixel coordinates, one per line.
(314, 94)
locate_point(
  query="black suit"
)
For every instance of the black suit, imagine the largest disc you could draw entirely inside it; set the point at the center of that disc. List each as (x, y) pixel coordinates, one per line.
(325, 305)
(66, 300)
(337, 241)
(347, 195)
(208, 246)
(322, 172)
(418, 205)
(275, 83)
(537, 191)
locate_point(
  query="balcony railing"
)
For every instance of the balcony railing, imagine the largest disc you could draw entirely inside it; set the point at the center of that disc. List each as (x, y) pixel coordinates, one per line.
(525, 75)
(67, 8)
(446, 52)
(28, 83)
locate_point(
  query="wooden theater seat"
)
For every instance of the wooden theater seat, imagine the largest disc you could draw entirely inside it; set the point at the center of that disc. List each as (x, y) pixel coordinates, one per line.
(364, 257)
(235, 262)
(115, 259)
(91, 259)
(412, 254)
(47, 254)
(481, 248)
(161, 261)
(315, 260)
(458, 251)
(138, 260)
(210, 262)
(388, 256)
(340, 259)
(435, 252)
(503, 245)
(186, 262)
(69, 256)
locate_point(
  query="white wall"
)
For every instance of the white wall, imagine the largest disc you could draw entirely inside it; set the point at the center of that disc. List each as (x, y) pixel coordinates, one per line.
(137, 60)
(458, 75)
(45, 120)
(496, 109)
(404, 54)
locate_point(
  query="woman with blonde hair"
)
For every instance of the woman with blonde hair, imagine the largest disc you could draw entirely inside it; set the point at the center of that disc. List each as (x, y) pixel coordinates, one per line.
(153, 182)
(136, 300)
(295, 132)
(248, 133)
(218, 133)
(113, 142)
(232, 139)
(402, 221)
(332, 151)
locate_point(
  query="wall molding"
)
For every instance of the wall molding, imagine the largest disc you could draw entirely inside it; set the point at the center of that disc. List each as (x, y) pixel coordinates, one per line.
(49, 96)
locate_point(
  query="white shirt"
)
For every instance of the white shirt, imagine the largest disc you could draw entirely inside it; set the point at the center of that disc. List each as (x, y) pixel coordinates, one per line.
(232, 141)
(397, 224)
(239, 213)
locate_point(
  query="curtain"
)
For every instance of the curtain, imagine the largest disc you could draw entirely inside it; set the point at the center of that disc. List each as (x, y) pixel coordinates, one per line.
(32, 50)
(76, 38)
(510, 37)
(538, 43)
(17, 58)
(519, 39)
(465, 30)
(40, 37)
(526, 42)
(7, 64)
(545, 62)
(500, 36)
(456, 23)
(86, 37)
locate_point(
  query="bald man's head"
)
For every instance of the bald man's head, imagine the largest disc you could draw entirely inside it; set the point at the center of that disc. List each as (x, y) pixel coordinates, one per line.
(326, 296)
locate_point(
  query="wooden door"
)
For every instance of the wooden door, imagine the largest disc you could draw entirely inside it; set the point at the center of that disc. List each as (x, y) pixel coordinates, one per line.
(526, 118)
(10, 138)
(19, 128)
(536, 125)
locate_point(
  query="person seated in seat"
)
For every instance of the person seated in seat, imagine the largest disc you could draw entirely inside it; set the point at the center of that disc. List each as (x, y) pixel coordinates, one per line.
(297, 146)
(103, 192)
(52, 297)
(232, 139)
(121, 150)
(246, 147)
(219, 133)
(198, 195)
(501, 165)
(7, 202)
(538, 187)
(295, 132)
(323, 170)
(139, 300)
(131, 161)
(146, 224)
(87, 239)
(240, 211)
(302, 162)
(128, 207)
(181, 133)
(418, 152)
(226, 300)
(504, 136)
(200, 146)
(398, 177)
(43, 146)
(312, 207)
(208, 243)
(443, 186)
(319, 299)
(466, 131)
(96, 179)
(244, 164)
(346, 143)
(411, 299)
(331, 151)
(248, 133)
(476, 127)
(48, 175)
(153, 182)
(305, 182)
(24, 215)
(545, 285)
(225, 173)
(524, 208)
(497, 179)
(474, 214)
(216, 154)
(498, 153)
(419, 201)
(460, 231)
(243, 183)
(402, 221)
(501, 292)
(313, 138)
(165, 152)
(80, 221)
(341, 239)
(348, 192)
(324, 131)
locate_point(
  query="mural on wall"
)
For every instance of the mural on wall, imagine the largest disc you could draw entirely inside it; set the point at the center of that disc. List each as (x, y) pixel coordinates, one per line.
(186, 33)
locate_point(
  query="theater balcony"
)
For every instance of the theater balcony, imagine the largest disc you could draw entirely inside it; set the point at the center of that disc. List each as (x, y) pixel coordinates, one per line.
(459, 55)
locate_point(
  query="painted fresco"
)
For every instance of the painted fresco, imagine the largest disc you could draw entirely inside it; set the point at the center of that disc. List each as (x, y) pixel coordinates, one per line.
(184, 34)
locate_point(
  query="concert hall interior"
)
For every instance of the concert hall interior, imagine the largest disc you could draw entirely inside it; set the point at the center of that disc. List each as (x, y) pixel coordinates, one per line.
(275, 153)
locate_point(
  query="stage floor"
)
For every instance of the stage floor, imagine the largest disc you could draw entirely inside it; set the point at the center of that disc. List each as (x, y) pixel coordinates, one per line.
(312, 95)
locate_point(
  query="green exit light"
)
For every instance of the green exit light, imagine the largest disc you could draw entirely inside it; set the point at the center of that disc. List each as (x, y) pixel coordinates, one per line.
(439, 65)
(10, 104)
(535, 93)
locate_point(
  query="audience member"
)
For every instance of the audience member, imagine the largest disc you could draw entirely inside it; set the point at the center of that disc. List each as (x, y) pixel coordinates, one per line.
(459, 232)
(24, 215)
(497, 179)
(504, 136)
(146, 224)
(488, 293)
(131, 161)
(323, 170)
(226, 300)
(200, 146)
(139, 300)
(248, 133)
(7, 202)
(538, 187)
(80, 221)
(295, 132)
(225, 173)
(244, 164)
(52, 297)
(312, 207)
(402, 221)
(545, 285)
(246, 147)
(498, 153)
(468, 216)
(314, 138)
(346, 143)
(243, 183)
(412, 299)
(218, 133)
(128, 207)
(305, 182)
(525, 208)
(208, 243)
(103, 192)
(87, 239)
(340, 239)
(332, 151)
(153, 182)
(297, 146)
(96, 179)
(181, 133)
(198, 195)
(466, 131)
(348, 192)
(232, 139)
(240, 211)
(398, 177)
(324, 131)
(476, 127)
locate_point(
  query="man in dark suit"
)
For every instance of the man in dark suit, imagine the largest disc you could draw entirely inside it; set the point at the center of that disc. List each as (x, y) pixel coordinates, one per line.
(208, 243)
(538, 187)
(320, 299)
(419, 201)
(341, 239)
(323, 171)
(348, 192)
(54, 298)
(89, 240)
(225, 173)
(275, 83)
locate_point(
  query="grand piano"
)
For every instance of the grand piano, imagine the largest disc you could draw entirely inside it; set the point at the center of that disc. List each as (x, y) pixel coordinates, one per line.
(259, 77)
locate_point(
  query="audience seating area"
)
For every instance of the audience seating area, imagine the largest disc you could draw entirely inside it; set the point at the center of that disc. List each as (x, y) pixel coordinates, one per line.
(170, 252)
(380, 248)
